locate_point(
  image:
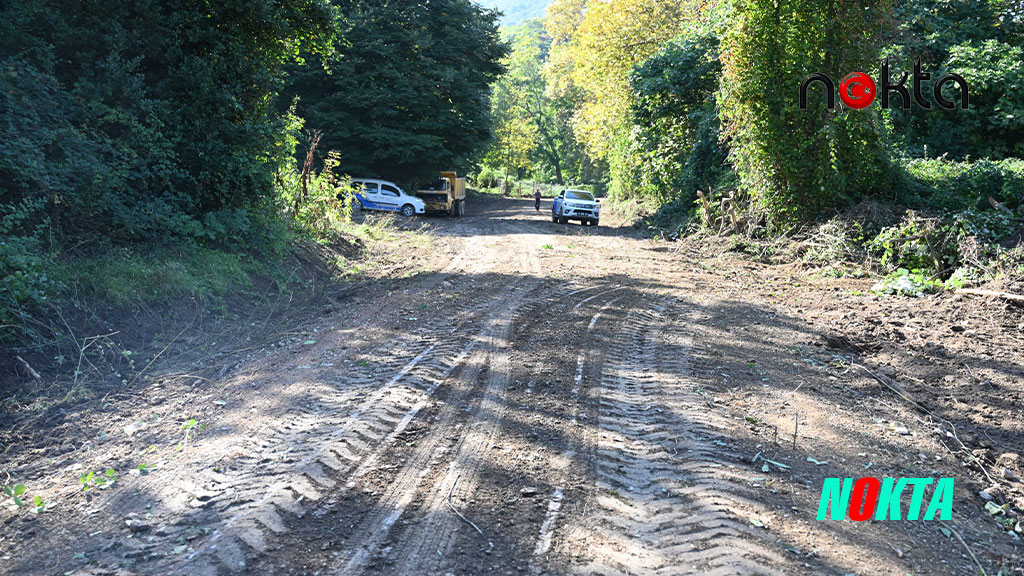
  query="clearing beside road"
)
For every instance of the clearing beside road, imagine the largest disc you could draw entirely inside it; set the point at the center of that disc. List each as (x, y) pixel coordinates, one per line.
(547, 399)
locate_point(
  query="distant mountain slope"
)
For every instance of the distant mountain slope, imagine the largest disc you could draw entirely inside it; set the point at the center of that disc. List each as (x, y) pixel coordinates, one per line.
(515, 11)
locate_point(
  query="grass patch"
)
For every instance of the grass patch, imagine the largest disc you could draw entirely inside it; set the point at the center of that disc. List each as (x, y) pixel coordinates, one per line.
(373, 228)
(146, 276)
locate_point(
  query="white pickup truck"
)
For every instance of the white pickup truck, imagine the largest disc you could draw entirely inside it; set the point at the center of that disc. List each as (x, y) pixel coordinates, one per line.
(576, 205)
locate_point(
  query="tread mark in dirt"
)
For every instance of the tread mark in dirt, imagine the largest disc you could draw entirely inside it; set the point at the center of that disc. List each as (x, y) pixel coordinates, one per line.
(585, 300)
(392, 405)
(661, 508)
(561, 465)
(424, 548)
(359, 437)
(375, 530)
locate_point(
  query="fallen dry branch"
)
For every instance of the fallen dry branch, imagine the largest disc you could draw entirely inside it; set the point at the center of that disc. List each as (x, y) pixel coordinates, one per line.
(993, 293)
(448, 501)
(31, 371)
(898, 390)
(966, 547)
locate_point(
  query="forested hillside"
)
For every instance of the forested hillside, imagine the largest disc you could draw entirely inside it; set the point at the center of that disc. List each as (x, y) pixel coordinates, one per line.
(517, 11)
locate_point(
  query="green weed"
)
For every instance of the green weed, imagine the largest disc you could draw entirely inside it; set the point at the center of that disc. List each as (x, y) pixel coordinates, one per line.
(15, 492)
(90, 480)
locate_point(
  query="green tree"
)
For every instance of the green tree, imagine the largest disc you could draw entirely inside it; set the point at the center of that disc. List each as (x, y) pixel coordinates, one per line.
(533, 123)
(407, 93)
(676, 141)
(982, 42)
(146, 119)
(595, 47)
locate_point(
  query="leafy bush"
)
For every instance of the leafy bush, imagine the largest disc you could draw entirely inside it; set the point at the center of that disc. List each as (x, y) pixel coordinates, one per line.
(955, 244)
(948, 185)
(317, 201)
(487, 177)
(905, 282)
(993, 127)
(982, 42)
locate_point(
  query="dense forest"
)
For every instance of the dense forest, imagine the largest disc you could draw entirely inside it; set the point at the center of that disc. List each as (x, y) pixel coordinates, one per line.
(691, 109)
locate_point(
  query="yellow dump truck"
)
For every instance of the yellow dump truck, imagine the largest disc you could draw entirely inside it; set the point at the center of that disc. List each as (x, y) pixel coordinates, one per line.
(446, 194)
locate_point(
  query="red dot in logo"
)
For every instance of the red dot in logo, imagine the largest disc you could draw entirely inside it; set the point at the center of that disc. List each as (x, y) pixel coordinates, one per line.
(857, 90)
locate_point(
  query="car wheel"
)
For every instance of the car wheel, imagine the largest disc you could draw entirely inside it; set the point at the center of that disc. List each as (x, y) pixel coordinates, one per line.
(563, 220)
(594, 222)
(358, 205)
(454, 211)
(408, 211)
(462, 207)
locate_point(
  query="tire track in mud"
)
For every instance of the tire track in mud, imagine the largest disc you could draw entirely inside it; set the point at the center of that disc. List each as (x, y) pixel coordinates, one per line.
(475, 411)
(326, 441)
(560, 465)
(427, 457)
(425, 545)
(666, 488)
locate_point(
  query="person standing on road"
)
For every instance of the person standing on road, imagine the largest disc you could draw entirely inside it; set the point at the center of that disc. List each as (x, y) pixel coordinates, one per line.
(536, 198)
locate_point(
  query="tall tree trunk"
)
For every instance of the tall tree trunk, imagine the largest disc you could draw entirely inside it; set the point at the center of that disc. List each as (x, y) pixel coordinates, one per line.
(307, 167)
(552, 150)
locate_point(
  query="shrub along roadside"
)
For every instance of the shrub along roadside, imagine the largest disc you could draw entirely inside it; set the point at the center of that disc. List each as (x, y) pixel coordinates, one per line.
(956, 223)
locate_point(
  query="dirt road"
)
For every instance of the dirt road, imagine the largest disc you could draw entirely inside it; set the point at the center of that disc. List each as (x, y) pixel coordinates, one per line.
(548, 400)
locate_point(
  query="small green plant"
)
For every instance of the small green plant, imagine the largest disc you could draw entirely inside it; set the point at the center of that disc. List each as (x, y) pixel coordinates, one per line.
(15, 492)
(90, 480)
(39, 505)
(905, 282)
(547, 247)
(189, 427)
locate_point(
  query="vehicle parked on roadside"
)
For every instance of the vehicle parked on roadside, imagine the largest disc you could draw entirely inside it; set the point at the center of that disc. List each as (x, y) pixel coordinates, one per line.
(446, 194)
(372, 194)
(576, 205)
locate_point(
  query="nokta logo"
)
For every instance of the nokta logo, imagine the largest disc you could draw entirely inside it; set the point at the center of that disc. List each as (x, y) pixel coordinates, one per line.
(869, 497)
(857, 90)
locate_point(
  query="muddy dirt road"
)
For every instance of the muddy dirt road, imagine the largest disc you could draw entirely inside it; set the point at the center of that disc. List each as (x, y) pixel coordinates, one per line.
(546, 400)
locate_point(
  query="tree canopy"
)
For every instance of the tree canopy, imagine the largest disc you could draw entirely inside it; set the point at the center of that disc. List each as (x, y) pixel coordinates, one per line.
(406, 95)
(670, 96)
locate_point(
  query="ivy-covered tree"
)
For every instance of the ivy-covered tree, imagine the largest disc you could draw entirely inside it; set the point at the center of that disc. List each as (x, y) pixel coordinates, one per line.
(799, 163)
(407, 94)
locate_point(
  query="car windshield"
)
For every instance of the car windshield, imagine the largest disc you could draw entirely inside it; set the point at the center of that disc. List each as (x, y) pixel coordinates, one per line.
(579, 195)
